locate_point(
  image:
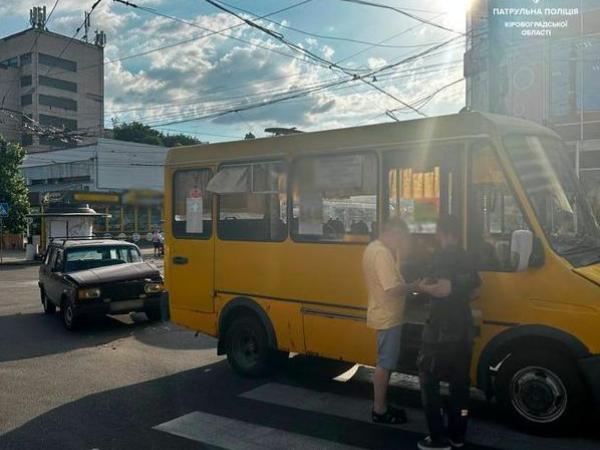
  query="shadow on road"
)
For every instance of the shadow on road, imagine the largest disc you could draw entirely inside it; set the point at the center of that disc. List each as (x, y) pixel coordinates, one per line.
(32, 335)
(123, 418)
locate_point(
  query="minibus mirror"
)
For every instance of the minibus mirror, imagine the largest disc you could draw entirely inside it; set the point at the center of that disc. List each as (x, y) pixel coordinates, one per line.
(521, 248)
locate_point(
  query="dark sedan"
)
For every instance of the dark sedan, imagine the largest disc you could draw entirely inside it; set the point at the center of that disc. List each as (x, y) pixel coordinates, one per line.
(94, 277)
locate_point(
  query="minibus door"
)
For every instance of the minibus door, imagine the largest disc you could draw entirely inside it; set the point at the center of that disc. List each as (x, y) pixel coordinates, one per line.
(423, 183)
(190, 274)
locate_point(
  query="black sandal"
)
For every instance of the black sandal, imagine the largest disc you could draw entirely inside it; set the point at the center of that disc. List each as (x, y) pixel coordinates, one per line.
(393, 416)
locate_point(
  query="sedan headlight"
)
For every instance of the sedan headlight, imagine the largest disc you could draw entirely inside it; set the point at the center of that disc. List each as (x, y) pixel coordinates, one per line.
(153, 288)
(87, 294)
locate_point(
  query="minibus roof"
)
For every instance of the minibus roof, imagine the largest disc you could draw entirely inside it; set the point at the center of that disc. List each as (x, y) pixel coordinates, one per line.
(380, 136)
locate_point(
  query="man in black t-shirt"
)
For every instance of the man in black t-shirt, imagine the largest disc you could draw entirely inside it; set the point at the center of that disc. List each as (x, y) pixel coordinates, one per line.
(451, 284)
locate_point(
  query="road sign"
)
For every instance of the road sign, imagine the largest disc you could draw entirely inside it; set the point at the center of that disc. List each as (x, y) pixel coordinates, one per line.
(3, 209)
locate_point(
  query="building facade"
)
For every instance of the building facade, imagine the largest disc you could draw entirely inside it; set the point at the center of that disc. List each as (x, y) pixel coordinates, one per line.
(540, 60)
(53, 81)
(123, 179)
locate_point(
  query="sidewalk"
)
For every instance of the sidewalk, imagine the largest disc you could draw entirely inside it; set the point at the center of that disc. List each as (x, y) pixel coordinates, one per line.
(15, 258)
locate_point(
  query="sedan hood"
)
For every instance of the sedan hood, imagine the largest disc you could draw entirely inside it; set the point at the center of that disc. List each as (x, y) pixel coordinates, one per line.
(111, 274)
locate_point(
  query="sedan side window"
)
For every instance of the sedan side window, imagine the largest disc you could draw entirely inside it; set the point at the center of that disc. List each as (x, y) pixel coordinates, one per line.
(58, 263)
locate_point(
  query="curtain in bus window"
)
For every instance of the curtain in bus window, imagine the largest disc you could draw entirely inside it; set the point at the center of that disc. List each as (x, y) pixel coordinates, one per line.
(229, 180)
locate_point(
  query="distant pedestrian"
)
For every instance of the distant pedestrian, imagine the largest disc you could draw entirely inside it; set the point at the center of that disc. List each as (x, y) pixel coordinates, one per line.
(387, 290)
(447, 338)
(156, 241)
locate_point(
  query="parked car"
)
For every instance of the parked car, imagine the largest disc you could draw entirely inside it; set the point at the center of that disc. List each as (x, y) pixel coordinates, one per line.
(94, 277)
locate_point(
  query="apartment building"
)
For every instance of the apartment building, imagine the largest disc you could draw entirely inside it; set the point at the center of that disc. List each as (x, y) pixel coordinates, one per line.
(50, 81)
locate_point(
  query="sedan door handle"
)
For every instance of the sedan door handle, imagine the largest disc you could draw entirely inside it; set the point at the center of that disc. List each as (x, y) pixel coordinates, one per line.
(180, 260)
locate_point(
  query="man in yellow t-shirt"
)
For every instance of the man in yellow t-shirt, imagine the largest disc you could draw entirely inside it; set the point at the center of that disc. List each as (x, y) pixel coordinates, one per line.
(387, 290)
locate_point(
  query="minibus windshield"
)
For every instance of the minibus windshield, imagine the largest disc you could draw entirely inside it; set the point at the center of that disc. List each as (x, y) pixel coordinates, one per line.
(550, 184)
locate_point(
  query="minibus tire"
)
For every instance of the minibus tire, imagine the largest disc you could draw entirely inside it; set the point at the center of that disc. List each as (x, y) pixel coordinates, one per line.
(247, 347)
(542, 392)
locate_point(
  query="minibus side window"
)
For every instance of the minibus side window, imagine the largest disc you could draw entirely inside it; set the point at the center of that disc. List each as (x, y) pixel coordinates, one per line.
(335, 198)
(252, 201)
(494, 212)
(192, 204)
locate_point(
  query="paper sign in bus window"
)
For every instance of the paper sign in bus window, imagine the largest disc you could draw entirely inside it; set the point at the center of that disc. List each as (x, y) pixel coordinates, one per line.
(193, 215)
(311, 213)
(341, 172)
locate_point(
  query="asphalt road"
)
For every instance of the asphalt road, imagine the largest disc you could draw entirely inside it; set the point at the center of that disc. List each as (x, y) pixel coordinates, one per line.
(125, 383)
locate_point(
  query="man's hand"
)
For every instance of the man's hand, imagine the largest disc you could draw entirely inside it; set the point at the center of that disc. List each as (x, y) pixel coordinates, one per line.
(439, 289)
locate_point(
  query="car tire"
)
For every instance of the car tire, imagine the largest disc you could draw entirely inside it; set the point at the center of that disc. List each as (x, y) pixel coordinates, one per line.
(247, 347)
(69, 315)
(153, 315)
(541, 392)
(49, 307)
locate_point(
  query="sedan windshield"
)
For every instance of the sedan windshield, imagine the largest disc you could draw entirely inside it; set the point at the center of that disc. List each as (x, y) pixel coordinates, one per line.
(91, 257)
(550, 184)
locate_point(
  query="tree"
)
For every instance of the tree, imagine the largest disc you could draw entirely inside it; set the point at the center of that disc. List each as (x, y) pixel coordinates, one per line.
(143, 134)
(13, 189)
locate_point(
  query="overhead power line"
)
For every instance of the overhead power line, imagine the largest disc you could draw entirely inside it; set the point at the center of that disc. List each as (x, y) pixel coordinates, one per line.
(308, 53)
(404, 12)
(323, 36)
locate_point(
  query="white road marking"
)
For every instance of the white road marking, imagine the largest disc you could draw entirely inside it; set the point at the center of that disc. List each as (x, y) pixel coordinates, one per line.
(480, 432)
(235, 434)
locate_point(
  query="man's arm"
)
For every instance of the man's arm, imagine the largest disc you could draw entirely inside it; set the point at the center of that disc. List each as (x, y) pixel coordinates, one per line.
(392, 282)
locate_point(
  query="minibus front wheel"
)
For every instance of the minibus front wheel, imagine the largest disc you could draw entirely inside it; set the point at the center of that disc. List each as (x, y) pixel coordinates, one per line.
(248, 350)
(543, 391)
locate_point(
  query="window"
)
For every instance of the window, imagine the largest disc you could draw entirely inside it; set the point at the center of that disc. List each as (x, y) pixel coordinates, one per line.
(85, 258)
(57, 84)
(58, 122)
(26, 80)
(53, 61)
(26, 139)
(494, 213)
(10, 62)
(192, 204)
(414, 195)
(26, 100)
(25, 59)
(59, 260)
(58, 102)
(252, 201)
(335, 198)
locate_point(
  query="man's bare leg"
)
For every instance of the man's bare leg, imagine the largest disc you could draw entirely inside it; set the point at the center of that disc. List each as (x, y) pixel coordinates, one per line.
(381, 379)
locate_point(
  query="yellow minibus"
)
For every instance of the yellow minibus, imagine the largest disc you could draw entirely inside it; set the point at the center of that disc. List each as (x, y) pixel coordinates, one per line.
(264, 240)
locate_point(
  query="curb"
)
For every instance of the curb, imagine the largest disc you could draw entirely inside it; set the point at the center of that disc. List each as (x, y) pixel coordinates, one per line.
(20, 263)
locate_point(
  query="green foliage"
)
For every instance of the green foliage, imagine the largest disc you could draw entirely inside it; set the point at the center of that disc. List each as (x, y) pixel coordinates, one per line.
(138, 132)
(13, 189)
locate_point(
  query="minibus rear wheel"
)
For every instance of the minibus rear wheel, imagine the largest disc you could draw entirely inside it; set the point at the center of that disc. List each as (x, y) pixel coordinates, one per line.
(248, 350)
(542, 392)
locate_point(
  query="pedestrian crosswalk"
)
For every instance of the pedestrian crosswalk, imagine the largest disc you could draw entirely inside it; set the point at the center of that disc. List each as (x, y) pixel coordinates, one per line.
(237, 434)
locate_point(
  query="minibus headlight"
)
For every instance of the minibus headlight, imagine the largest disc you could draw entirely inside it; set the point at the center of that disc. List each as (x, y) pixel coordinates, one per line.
(153, 288)
(87, 294)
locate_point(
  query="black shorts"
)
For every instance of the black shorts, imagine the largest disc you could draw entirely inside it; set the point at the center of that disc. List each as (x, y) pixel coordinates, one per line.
(156, 244)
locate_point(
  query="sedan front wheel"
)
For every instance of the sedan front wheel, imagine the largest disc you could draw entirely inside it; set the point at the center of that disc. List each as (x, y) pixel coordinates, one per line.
(69, 315)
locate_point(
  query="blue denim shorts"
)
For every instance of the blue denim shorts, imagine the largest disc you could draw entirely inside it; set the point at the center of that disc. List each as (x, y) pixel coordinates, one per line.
(388, 347)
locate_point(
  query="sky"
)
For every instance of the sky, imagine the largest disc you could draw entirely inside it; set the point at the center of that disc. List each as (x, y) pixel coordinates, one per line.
(214, 86)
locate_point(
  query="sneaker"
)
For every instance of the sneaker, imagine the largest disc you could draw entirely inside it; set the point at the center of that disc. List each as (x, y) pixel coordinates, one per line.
(457, 443)
(430, 444)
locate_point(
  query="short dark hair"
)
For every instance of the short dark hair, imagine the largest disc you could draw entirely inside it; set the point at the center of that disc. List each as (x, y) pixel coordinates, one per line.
(396, 224)
(450, 225)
